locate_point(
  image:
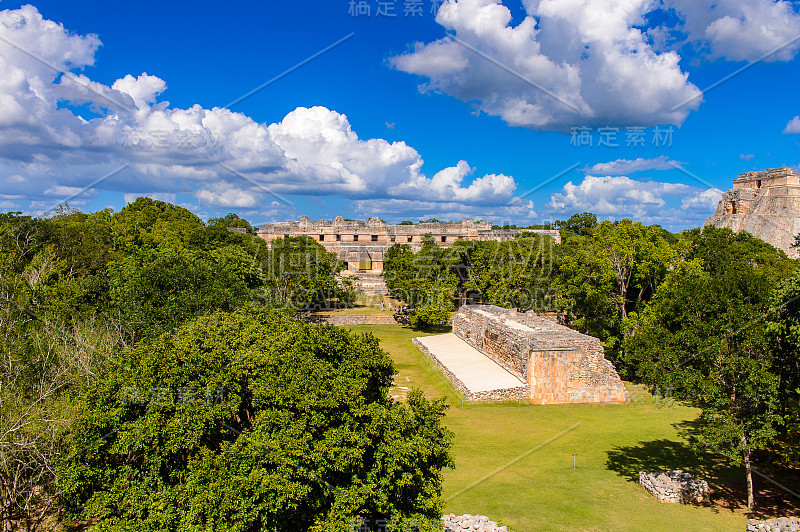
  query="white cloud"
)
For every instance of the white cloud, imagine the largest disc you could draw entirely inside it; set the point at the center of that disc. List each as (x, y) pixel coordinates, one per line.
(793, 127)
(705, 200)
(648, 201)
(59, 190)
(628, 166)
(223, 158)
(741, 30)
(225, 195)
(447, 185)
(746, 156)
(597, 66)
(516, 212)
(160, 196)
(143, 89)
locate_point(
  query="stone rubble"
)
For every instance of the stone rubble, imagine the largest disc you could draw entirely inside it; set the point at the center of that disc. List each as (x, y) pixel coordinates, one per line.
(470, 523)
(782, 524)
(675, 487)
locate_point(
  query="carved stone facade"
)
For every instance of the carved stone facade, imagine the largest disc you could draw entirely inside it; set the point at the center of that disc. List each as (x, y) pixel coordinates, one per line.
(766, 204)
(362, 245)
(560, 365)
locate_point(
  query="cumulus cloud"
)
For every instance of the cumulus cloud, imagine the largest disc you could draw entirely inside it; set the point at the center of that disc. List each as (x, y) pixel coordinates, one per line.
(622, 197)
(143, 89)
(517, 211)
(793, 127)
(741, 30)
(221, 158)
(568, 63)
(160, 196)
(705, 200)
(628, 166)
(447, 185)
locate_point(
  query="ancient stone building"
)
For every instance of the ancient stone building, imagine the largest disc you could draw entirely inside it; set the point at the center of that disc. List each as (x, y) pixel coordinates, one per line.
(361, 245)
(766, 204)
(560, 365)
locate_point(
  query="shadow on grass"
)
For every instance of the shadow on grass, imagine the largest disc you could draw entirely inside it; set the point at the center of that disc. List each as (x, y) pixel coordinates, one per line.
(727, 488)
(726, 480)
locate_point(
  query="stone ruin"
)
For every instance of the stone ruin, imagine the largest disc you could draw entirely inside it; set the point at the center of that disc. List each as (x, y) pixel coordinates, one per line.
(559, 365)
(766, 204)
(675, 487)
(470, 523)
(361, 245)
(781, 524)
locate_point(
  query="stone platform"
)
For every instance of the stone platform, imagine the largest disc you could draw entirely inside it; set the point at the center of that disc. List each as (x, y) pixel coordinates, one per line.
(559, 365)
(476, 376)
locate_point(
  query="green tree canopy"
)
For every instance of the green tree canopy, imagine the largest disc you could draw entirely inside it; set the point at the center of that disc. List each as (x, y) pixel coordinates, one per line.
(151, 223)
(609, 274)
(231, 220)
(577, 225)
(155, 290)
(299, 273)
(254, 421)
(783, 329)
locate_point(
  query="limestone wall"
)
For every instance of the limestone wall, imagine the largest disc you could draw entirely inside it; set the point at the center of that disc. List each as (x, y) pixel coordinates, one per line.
(356, 319)
(560, 365)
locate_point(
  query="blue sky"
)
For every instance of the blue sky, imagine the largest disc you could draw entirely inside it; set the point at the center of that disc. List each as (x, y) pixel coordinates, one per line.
(472, 112)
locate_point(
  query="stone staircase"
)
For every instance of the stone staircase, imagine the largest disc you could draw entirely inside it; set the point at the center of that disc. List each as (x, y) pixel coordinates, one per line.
(372, 284)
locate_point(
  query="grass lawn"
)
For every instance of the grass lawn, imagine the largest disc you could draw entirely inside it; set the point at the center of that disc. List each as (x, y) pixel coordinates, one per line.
(514, 463)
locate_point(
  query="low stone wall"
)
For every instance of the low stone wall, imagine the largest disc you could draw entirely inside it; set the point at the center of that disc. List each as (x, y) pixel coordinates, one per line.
(675, 487)
(357, 319)
(470, 523)
(503, 394)
(782, 524)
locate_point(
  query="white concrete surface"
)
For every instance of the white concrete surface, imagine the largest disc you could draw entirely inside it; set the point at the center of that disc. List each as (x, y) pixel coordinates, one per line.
(478, 372)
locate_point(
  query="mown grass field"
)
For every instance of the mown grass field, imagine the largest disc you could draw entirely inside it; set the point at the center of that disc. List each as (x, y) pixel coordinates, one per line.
(514, 462)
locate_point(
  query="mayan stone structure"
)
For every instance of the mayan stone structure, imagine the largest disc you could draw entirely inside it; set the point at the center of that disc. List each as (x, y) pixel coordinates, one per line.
(560, 365)
(766, 204)
(362, 245)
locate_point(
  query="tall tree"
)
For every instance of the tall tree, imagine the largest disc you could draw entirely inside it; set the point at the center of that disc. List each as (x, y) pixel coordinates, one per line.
(609, 274)
(301, 274)
(703, 336)
(783, 327)
(254, 421)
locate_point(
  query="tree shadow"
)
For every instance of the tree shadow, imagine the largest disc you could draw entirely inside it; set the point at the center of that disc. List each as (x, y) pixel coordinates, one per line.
(727, 489)
(725, 479)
